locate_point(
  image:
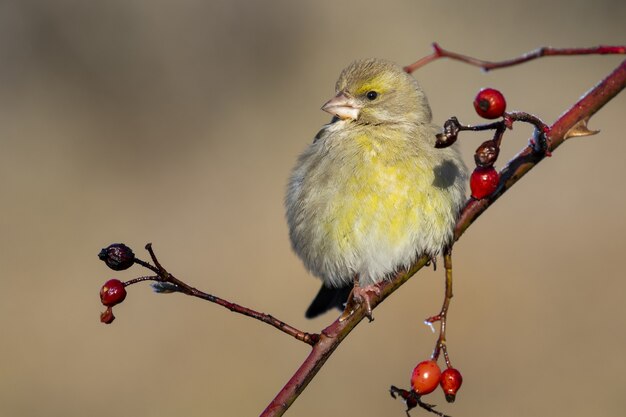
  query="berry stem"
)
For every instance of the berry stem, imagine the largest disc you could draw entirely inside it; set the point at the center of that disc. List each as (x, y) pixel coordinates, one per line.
(507, 122)
(541, 141)
(499, 134)
(146, 265)
(477, 128)
(441, 317)
(141, 279)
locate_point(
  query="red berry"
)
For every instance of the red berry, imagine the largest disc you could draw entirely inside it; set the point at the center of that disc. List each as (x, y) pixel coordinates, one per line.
(112, 292)
(451, 381)
(484, 181)
(425, 377)
(490, 103)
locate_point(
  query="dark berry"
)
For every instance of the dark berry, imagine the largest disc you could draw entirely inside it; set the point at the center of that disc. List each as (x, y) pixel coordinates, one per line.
(451, 380)
(486, 154)
(112, 292)
(450, 133)
(409, 397)
(490, 103)
(107, 317)
(117, 256)
(425, 377)
(483, 182)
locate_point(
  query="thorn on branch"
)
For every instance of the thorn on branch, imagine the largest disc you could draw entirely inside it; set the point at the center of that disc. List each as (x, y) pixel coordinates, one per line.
(580, 129)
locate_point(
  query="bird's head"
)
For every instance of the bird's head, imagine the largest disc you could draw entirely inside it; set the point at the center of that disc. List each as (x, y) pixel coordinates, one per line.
(375, 91)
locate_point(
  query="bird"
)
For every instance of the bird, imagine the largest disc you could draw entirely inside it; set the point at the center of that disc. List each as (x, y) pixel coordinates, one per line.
(371, 193)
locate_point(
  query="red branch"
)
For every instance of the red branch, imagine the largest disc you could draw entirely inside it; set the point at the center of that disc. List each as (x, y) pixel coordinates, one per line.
(173, 284)
(571, 123)
(439, 52)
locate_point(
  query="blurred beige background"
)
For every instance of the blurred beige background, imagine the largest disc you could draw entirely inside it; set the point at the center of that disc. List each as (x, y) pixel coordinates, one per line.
(177, 123)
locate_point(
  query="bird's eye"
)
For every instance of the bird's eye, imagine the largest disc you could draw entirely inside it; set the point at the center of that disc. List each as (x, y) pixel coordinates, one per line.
(371, 95)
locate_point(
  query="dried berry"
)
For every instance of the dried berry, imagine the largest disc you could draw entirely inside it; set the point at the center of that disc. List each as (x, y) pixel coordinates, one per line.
(112, 292)
(409, 397)
(425, 377)
(486, 154)
(117, 256)
(483, 182)
(107, 317)
(451, 380)
(451, 129)
(489, 103)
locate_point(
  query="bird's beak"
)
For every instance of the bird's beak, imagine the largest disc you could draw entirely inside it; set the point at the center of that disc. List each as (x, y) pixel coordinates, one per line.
(343, 106)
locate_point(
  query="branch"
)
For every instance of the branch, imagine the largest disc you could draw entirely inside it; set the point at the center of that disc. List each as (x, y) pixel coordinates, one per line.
(174, 284)
(571, 123)
(120, 257)
(439, 52)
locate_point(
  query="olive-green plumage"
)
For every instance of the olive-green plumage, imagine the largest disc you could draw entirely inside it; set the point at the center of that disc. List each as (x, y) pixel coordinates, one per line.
(372, 193)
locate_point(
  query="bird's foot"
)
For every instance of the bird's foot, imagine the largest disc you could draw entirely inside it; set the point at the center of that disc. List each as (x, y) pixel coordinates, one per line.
(433, 261)
(360, 296)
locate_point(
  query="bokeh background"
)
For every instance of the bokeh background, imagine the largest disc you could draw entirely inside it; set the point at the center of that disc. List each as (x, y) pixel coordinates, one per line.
(177, 123)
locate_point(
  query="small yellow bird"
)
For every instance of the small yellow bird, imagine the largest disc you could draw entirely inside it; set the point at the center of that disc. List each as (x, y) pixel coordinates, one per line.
(372, 193)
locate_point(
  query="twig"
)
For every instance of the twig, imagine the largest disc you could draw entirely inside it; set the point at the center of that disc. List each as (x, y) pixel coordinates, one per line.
(439, 52)
(174, 284)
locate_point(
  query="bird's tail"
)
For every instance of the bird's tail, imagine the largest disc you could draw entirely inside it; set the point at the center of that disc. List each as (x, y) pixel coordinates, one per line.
(326, 299)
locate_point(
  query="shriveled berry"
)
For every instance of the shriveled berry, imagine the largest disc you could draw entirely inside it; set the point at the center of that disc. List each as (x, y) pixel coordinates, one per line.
(107, 316)
(409, 397)
(117, 256)
(451, 381)
(425, 377)
(112, 292)
(490, 103)
(484, 181)
(451, 129)
(486, 154)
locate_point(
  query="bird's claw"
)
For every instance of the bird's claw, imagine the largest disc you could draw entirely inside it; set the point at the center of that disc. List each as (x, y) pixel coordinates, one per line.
(360, 296)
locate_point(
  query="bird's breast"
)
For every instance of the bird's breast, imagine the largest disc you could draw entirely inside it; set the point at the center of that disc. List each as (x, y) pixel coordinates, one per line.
(365, 205)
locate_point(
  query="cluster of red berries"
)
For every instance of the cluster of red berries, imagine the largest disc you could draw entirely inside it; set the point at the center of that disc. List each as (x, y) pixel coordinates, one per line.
(117, 257)
(490, 104)
(427, 376)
